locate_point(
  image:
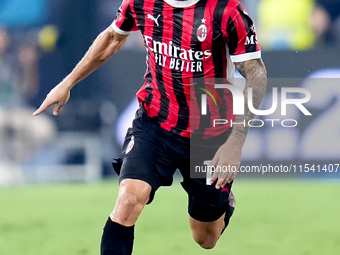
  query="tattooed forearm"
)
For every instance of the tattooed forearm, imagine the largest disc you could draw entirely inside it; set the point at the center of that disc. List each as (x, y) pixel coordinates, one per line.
(256, 77)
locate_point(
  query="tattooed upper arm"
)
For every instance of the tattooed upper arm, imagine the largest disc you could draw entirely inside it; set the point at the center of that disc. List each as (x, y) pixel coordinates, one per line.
(256, 77)
(253, 68)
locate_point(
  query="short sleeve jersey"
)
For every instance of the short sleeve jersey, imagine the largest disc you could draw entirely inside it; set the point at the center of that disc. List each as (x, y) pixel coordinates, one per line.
(188, 40)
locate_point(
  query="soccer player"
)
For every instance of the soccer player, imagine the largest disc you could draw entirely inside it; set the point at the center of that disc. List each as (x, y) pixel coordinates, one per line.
(185, 40)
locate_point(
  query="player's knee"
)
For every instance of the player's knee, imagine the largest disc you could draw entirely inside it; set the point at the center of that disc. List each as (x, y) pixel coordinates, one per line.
(207, 240)
(127, 201)
(207, 243)
(132, 198)
(130, 203)
(126, 210)
(134, 192)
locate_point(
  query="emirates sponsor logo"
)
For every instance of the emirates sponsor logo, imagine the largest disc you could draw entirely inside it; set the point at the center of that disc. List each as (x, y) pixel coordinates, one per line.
(176, 58)
(170, 50)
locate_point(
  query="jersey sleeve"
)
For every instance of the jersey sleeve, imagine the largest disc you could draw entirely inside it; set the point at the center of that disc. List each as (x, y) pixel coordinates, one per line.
(124, 22)
(239, 33)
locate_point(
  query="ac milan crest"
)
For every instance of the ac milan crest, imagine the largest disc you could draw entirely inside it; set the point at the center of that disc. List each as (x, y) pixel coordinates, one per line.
(202, 31)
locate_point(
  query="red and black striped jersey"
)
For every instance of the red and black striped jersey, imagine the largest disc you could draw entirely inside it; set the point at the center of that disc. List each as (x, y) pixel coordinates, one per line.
(186, 40)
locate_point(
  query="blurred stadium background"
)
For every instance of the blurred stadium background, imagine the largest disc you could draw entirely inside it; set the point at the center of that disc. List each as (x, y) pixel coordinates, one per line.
(42, 40)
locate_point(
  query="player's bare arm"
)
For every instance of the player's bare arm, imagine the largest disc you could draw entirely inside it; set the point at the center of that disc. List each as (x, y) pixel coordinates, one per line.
(229, 154)
(106, 44)
(256, 77)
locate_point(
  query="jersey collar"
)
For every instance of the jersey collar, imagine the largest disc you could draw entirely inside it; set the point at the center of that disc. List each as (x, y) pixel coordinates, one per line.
(181, 4)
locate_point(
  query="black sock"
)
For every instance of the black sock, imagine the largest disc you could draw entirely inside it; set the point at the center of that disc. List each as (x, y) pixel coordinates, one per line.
(116, 239)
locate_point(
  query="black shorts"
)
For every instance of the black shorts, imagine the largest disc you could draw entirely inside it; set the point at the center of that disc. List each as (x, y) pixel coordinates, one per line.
(152, 154)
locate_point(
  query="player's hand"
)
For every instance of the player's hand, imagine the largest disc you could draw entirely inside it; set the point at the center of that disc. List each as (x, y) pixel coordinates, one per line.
(228, 158)
(59, 95)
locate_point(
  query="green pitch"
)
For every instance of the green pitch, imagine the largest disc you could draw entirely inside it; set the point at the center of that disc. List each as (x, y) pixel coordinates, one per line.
(272, 218)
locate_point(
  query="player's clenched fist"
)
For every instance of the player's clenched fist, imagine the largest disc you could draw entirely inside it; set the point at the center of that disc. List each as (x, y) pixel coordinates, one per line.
(58, 95)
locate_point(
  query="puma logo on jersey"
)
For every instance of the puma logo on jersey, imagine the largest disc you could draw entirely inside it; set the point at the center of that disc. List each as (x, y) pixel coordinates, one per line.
(153, 18)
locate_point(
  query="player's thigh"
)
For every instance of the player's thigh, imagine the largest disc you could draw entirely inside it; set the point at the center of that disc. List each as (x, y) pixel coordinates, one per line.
(145, 154)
